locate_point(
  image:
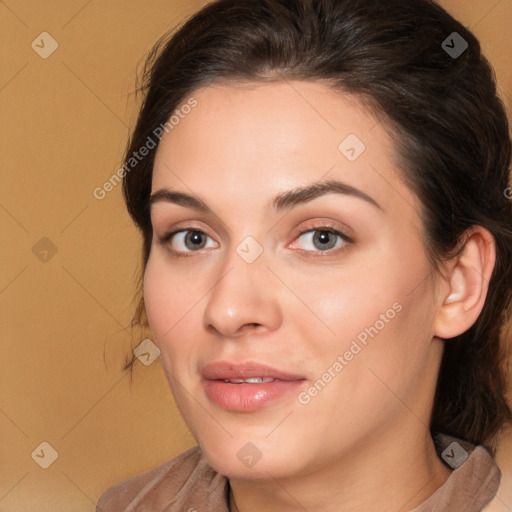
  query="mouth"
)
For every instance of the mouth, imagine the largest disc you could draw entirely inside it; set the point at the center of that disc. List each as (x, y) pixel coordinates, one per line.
(252, 380)
(247, 387)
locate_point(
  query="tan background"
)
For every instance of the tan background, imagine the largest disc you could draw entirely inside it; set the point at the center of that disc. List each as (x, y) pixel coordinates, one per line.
(65, 121)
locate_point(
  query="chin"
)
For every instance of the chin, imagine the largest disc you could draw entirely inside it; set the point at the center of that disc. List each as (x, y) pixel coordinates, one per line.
(247, 460)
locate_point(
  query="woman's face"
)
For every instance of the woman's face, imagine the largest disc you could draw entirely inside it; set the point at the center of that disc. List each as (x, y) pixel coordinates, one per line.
(258, 282)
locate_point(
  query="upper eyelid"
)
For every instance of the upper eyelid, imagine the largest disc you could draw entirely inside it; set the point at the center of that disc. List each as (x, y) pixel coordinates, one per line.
(316, 224)
(209, 219)
(319, 227)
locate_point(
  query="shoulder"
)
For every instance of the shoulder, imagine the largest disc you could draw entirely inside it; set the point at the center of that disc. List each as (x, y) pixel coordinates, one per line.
(182, 483)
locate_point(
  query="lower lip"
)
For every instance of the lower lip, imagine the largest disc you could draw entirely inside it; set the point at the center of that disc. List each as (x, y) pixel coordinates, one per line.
(247, 397)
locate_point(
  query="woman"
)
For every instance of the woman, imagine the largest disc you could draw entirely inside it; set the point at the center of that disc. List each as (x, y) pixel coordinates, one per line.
(327, 258)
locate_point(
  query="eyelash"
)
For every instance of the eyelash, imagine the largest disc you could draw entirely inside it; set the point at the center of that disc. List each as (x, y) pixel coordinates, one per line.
(165, 239)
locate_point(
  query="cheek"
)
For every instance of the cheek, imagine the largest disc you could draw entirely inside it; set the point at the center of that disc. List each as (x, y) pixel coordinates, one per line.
(168, 294)
(158, 298)
(169, 300)
(345, 303)
(172, 317)
(376, 317)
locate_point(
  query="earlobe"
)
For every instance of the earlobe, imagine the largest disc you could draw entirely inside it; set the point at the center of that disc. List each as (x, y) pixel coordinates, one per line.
(467, 284)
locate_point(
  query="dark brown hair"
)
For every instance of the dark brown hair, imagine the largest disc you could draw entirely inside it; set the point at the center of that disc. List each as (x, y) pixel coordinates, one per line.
(451, 137)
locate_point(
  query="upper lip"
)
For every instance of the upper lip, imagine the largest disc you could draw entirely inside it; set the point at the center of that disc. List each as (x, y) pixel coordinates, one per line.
(222, 370)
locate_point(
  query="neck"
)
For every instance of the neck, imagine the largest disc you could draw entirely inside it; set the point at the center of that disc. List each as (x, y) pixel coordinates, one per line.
(401, 476)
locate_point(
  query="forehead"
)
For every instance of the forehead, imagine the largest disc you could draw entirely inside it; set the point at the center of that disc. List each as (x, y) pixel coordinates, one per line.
(272, 137)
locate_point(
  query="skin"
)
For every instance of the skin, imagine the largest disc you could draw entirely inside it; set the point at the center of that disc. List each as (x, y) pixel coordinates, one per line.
(363, 442)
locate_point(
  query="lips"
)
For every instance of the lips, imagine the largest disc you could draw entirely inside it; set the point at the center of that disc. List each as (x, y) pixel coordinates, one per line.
(248, 387)
(231, 371)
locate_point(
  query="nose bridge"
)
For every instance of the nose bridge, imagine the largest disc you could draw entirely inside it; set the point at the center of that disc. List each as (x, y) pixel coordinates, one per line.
(243, 293)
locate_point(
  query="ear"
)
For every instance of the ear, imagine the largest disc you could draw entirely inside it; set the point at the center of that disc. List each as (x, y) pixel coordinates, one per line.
(464, 289)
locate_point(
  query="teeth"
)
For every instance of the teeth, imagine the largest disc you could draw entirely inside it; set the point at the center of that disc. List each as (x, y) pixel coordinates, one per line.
(252, 380)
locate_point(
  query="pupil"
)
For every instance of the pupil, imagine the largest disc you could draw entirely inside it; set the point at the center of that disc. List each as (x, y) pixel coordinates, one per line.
(195, 238)
(323, 238)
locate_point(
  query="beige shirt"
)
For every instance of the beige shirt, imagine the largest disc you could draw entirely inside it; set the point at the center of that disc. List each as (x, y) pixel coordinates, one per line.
(187, 483)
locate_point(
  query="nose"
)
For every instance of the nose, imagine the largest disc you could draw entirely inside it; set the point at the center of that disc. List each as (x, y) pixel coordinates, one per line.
(244, 297)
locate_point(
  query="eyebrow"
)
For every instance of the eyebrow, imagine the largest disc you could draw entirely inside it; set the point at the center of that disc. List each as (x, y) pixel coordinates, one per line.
(284, 201)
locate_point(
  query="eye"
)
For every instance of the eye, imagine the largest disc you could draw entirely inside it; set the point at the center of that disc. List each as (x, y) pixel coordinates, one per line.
(320, 239)
(185, 240)
(323, 239)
